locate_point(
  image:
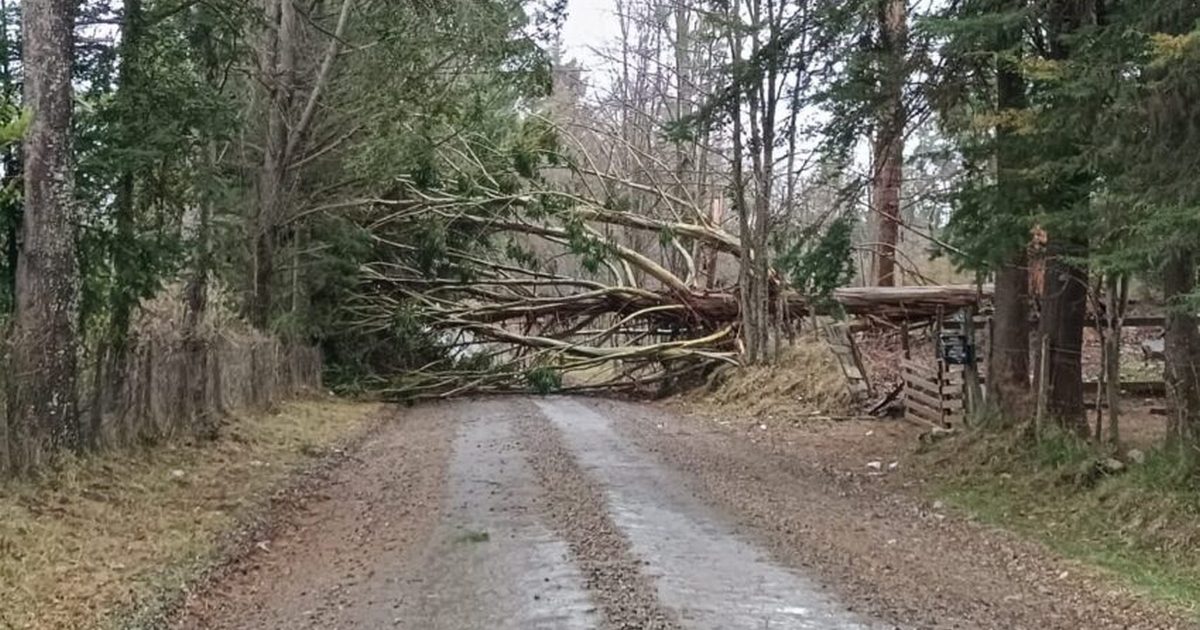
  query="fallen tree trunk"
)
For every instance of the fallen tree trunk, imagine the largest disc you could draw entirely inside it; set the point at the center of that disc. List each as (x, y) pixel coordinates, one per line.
(903, 303)
(648, 317)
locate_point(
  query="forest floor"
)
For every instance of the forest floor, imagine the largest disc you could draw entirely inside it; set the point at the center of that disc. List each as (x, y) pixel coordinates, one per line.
(576, 513)
(121, 535)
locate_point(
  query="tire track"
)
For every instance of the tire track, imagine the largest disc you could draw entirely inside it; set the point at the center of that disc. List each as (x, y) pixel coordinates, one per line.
(703, 568)
(577, 509)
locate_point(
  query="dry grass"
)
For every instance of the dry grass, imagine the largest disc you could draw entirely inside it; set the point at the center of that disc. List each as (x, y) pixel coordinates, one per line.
(99, 535)
(806, 382)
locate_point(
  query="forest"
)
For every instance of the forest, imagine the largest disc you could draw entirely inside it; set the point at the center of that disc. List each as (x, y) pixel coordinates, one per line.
(427, 198)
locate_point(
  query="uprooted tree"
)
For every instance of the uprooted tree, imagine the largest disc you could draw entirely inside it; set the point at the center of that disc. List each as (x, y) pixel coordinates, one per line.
(517, 266)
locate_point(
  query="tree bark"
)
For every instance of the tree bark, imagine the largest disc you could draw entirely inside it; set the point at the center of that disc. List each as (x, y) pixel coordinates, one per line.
(1182, 341)
(1063, 315)
(278, 58)
(887, 176)
(43, 416)
(1064, 294)
(1008, 369)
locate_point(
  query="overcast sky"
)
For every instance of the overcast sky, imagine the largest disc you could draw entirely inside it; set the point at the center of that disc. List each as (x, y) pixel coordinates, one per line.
(590, 24)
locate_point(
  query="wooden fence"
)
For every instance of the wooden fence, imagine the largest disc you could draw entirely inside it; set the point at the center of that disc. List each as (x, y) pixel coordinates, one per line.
(173, 388)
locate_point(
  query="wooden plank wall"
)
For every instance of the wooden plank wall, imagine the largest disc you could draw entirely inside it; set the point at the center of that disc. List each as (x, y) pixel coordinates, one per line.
(933, 393)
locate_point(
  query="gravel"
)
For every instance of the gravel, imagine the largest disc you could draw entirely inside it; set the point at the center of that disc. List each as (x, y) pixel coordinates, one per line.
(577, 511)
(816, 507)
(479, 510)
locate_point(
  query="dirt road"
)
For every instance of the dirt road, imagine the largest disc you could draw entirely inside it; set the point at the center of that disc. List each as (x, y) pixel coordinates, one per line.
(567, 513)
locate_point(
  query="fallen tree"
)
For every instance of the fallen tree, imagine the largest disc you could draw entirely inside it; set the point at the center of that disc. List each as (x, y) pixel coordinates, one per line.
(478, 265)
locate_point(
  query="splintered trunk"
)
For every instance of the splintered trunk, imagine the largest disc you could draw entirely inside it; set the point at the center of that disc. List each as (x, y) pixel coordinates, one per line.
(887, 175)
(1063, 314)
(42, 411)
(1182, 355)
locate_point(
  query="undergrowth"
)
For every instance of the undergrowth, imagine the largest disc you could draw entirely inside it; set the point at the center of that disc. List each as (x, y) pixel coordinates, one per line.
(1138, 520)
(99, 537)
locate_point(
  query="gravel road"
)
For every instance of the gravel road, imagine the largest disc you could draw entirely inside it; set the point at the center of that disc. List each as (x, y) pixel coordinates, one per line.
(548, 513)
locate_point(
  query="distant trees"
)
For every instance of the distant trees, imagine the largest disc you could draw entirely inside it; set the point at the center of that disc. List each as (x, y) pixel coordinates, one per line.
(1067, 119)
(222, 147)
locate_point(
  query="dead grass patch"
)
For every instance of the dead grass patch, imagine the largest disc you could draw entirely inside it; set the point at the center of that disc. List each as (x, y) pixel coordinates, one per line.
(99, 535)
(806, 382)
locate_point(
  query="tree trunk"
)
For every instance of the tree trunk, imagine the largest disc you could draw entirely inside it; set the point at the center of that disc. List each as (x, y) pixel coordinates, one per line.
(762, 98)
(196, 347)
(279, 61)
(747, 267)
(43, 416)
(1065, 288)
(285, 139)
(887, 176)
(1008, 369)
(1063, 314)
(1182, 356)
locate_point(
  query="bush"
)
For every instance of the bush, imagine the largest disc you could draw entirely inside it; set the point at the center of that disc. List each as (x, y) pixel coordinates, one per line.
(544, 380)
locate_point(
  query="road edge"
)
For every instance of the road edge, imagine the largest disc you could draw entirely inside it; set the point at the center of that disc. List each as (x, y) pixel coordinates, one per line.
(260, 521)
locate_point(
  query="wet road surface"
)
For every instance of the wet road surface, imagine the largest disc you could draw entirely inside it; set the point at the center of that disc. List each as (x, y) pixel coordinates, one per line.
(703, 570)
(524, 513)
(484, 551)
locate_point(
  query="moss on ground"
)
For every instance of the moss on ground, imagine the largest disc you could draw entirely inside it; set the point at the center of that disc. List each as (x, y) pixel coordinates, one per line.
(97, 536)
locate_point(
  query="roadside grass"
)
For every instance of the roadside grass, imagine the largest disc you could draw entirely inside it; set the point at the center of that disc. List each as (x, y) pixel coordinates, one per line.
(100, 536)
(1141, 524)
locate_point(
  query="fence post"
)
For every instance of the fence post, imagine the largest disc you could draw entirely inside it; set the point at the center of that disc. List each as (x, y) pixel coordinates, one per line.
(147, 394)
(216, 382)
(1042, 389)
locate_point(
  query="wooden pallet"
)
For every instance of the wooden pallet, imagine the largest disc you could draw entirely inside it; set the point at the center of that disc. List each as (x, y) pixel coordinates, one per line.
(841, 341)
(933, 394)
